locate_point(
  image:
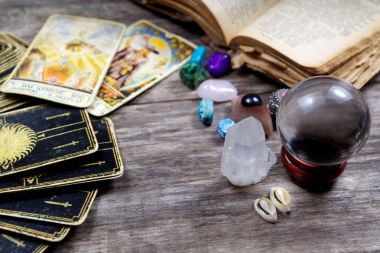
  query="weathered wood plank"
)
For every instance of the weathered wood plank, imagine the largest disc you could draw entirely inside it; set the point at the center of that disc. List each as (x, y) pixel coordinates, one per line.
(174, 199)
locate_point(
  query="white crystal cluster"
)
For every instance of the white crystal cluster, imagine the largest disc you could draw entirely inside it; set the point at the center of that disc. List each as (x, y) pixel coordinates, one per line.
(246, 159)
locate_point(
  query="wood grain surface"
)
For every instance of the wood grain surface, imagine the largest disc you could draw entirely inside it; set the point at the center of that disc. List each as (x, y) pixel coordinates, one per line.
(173, 197)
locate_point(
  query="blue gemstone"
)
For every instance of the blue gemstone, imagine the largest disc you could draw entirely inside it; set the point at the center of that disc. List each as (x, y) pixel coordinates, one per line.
(206, 111)
(198, 56)
(223, 125)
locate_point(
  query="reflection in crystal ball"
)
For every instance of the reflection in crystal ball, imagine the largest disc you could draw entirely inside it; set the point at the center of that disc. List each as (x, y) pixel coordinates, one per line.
(323, 121)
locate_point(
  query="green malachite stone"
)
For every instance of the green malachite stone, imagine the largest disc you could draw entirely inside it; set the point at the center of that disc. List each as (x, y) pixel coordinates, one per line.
(192, 75)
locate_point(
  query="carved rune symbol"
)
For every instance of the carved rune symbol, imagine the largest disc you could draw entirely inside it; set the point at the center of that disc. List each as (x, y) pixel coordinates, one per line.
(32, 180)
(64, 204)
(19, 243)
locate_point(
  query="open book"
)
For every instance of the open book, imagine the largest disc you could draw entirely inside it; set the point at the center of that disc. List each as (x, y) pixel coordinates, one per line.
(291, 40)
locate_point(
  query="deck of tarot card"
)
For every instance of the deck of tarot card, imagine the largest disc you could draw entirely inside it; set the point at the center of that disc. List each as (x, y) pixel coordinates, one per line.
(53, 147)
(56, 147)
(52, 153)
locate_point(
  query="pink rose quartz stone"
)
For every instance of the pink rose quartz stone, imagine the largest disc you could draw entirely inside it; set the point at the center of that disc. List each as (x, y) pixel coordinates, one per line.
(217, 90)
(260, 112)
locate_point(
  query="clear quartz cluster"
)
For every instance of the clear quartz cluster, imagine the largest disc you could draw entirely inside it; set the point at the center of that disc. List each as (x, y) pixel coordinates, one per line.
(246, 159)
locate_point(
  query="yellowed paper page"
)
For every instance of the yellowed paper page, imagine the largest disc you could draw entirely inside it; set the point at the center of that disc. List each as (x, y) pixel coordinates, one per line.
(313, 32)
(234, 15)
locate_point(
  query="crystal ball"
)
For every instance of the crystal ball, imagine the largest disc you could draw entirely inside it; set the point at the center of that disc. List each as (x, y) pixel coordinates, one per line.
(323, 121)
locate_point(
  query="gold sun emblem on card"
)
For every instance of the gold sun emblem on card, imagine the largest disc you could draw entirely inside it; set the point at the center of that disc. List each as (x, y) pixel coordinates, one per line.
(16, 142)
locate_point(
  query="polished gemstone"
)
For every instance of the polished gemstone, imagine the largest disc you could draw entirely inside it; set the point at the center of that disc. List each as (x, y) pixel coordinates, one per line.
(260, 112)
(275, 100)
(192, 75)
(219, 64)
(246, 159)
(223, 125)
(217, 90)
(198, 56)
(206, 111)
(251, 99)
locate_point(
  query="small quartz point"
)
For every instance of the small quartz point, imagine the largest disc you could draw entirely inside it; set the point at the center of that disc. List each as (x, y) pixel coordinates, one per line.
(246, 159)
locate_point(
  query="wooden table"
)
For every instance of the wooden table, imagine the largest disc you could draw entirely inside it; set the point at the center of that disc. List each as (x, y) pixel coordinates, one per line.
(173, 198)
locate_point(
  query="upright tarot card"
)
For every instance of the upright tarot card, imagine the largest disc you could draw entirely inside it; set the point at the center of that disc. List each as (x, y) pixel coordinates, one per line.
(40, 135)
(146, 55)
(67, 60)
(14, 243)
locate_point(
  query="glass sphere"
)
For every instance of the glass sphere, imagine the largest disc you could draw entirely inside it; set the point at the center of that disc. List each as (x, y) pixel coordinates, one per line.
(323, 121)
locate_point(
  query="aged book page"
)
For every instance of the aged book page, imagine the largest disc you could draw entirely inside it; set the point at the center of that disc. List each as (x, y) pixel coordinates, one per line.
(315, 32)
(234, 15)
(197, 11)
(357, 70)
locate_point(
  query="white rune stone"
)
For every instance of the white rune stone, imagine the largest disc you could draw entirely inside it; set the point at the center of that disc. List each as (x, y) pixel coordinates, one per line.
(246, 159)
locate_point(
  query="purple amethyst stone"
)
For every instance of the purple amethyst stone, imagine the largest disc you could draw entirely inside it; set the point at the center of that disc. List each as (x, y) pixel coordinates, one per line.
(219, 64)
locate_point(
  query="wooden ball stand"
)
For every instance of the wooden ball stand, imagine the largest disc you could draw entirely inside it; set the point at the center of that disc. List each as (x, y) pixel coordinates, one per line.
(308, 175)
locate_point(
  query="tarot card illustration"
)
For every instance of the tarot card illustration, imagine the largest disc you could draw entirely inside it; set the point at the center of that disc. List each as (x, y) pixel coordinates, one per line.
(146, 55)
(67, 60)
(14, 243)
